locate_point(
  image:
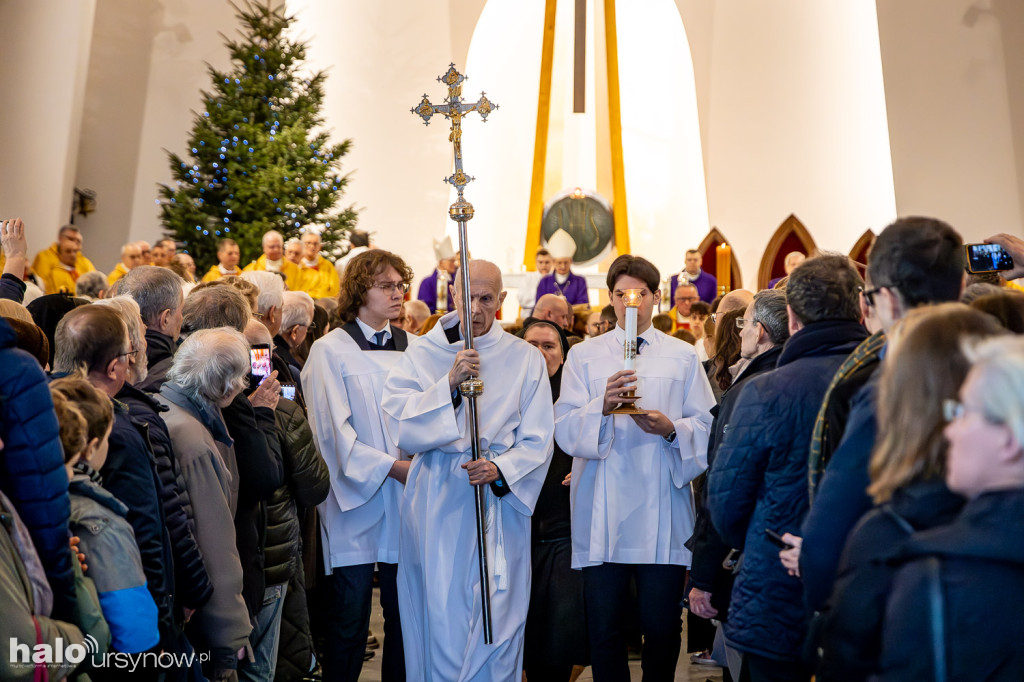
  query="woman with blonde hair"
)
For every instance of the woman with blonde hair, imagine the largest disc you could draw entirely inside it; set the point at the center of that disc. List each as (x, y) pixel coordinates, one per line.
(954, 609)
(924, 365)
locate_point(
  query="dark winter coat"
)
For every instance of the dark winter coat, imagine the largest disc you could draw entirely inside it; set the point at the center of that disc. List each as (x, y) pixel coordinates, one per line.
(32, 470)
(192, 584)
(129, 474)
(12, 288)
(841, 500)
(709, 550)
(160, 350)
(260, 472)
(964, 582)
(307, 482)
(850, 626)
(759, 482)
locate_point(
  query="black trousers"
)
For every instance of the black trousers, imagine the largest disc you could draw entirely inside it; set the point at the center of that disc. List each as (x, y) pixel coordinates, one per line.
(761, 669)
(348, 594)
(659, 590)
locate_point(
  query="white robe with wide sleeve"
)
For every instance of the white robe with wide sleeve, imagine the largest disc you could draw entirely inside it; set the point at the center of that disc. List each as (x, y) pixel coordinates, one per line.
(630, 492)
(342, 385)
(438, 577)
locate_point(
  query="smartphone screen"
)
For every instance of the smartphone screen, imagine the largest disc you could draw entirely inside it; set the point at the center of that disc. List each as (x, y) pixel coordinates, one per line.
(259, 358)
(288, 391)
(987, 258)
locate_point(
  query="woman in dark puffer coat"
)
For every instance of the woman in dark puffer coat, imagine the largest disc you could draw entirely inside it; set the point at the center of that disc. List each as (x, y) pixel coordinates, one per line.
(923, 366)
(954, 610)
(32, 471)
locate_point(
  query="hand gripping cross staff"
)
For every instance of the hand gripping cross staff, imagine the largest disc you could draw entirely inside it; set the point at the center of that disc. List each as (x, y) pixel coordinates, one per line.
(454, 109)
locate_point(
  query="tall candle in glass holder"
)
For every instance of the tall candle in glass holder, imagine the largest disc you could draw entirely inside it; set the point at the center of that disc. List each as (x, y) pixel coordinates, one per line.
(631, 298)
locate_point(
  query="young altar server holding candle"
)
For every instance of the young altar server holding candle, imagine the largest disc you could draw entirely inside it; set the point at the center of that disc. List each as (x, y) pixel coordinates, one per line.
(631, 504)
(563, 281)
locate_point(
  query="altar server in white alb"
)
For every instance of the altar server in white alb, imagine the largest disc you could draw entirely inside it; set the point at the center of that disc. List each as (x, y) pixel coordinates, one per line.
(343, 381)
(632, 509)
(438, 578)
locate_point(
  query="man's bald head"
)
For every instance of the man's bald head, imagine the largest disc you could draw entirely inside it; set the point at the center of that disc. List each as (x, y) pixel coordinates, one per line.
(256, 332)
(93, 338)
(486, 295)
(737, 299)
(551, 307)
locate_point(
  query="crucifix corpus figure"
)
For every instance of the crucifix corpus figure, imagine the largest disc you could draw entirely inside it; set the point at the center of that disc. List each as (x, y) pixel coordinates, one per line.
(478, 454)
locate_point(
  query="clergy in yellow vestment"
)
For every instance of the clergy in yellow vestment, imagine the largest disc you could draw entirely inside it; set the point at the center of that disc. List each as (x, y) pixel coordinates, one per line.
(60, 265)
(273, 260)
(227, 265)
(317, 276)
(131, 256)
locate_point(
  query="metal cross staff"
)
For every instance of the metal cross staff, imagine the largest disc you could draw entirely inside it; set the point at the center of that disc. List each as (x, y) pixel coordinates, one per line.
(454, 109)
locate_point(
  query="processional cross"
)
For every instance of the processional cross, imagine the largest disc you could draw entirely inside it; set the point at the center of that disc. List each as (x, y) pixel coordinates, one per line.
(454, 109)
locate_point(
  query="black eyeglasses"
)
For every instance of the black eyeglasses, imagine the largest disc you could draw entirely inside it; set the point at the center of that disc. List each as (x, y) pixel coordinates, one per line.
(869, 294)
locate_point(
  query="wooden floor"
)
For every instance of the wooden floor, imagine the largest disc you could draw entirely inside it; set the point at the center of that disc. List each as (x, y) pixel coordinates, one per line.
(685, 671)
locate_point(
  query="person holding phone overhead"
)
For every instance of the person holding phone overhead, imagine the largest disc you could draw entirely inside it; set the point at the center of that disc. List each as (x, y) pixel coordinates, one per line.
(343, 380)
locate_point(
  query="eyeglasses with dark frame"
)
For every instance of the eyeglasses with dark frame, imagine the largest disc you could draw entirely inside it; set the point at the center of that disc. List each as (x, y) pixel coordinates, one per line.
(869, 294)
(129, 354)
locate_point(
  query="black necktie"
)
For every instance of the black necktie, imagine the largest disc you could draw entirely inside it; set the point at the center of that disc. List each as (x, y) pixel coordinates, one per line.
(378, 338)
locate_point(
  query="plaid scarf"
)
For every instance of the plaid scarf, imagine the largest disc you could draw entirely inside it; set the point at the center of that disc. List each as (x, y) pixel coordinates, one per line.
(864, 354)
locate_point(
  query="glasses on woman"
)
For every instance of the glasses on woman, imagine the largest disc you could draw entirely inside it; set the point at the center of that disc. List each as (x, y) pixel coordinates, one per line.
(953, 410)
(390, 288)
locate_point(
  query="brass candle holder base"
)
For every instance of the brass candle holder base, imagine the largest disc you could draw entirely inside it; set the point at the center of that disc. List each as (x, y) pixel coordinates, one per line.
(628, 408)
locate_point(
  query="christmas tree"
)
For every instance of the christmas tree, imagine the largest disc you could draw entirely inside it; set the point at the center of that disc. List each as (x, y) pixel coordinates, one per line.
(259, 159)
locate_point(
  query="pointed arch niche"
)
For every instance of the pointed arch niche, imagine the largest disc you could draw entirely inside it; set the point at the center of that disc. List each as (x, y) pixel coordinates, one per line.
(790, 236)
(710, 263)
(859, 252)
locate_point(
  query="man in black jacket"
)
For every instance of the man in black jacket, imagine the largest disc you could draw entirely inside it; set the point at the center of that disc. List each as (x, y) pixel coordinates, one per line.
(764, 330)
(759, 481)
(914, 262)
(96, 338)
(159, 295)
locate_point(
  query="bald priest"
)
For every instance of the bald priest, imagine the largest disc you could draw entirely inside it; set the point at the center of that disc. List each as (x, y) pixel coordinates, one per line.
(438, 580)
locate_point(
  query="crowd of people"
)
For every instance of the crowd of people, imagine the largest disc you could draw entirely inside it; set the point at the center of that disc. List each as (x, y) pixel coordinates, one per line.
(206, 478)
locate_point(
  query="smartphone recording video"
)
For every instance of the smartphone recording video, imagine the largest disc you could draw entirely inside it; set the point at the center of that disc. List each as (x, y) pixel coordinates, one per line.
(288, 391)
(259, 359)
(987, 258)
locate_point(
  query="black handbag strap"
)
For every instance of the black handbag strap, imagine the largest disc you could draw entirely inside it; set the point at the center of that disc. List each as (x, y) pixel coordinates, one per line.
(937, 611)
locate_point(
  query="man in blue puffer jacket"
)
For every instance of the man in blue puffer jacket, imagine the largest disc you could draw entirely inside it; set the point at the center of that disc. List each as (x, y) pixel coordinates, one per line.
(759, 480)
(32, 471)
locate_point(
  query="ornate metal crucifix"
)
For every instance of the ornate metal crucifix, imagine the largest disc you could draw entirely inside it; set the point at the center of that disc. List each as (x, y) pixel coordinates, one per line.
(454, 109)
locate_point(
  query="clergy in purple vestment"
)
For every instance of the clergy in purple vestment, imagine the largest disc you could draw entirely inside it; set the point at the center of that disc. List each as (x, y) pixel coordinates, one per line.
(562, 282)
(428, 292)
(707, 285)
(573, 287)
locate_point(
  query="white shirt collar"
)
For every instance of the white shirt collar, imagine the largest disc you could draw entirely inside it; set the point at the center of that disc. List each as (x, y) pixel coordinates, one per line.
(562, 279)
(311, 263)
(225, 272)
(647, 335)
(273, 265)
(369, 331)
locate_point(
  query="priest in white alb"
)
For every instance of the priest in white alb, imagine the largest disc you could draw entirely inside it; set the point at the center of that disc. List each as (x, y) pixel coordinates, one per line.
(438, 578)
(632, 510)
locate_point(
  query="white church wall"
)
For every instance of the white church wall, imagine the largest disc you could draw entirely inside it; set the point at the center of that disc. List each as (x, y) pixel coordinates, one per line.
(798, 124)
(44, 48)
(381, 57)
(954, 83)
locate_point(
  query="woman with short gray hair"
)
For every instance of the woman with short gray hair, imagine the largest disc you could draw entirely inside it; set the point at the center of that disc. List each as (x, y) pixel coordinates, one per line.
(210, 369)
